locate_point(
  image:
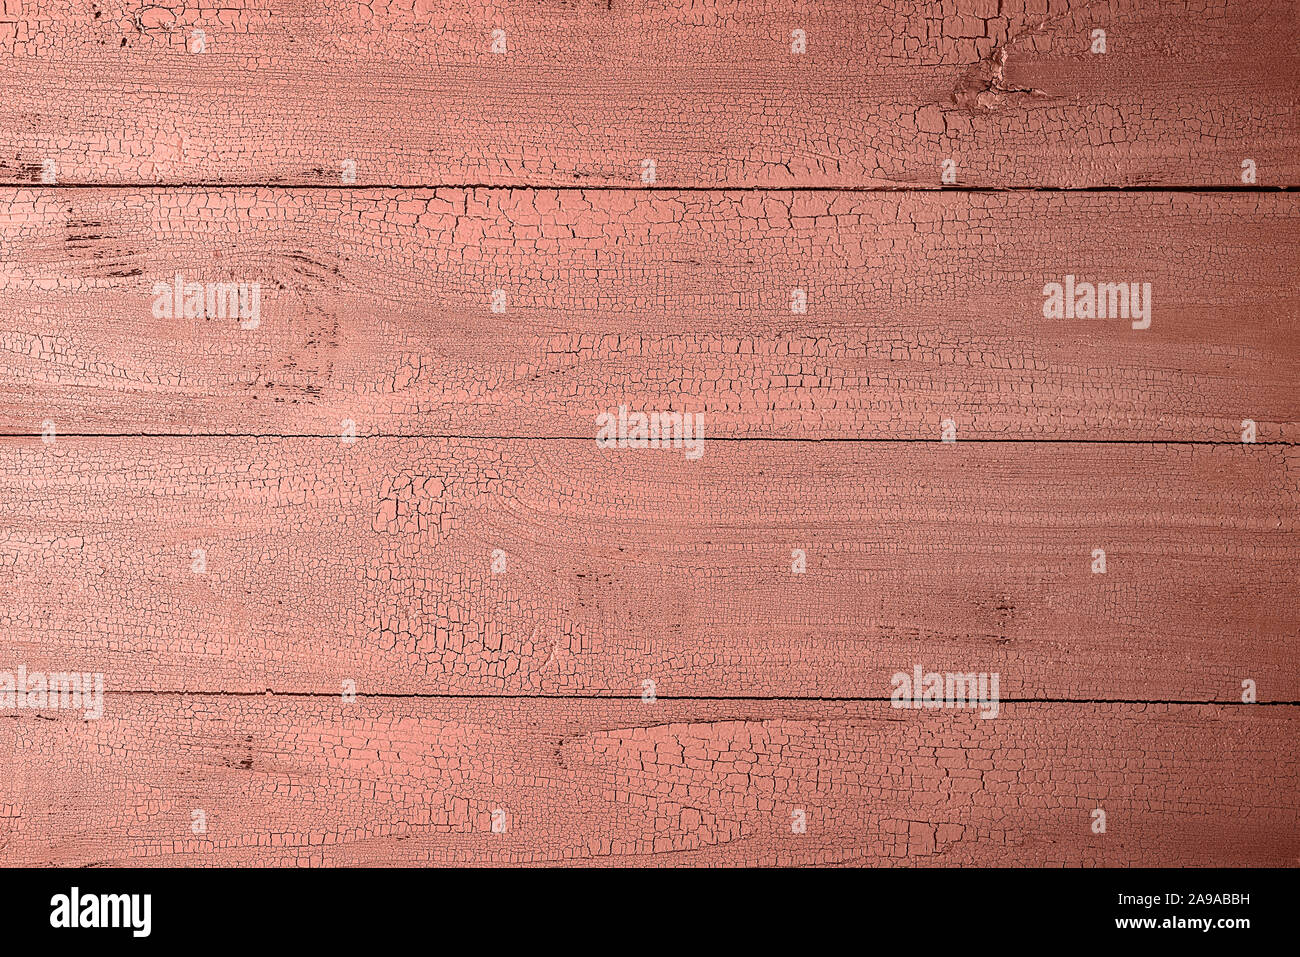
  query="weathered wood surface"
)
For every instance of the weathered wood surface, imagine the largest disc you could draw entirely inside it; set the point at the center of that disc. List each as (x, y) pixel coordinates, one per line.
(285, 781)
(376, 306)
(286, 91)
(198, 531)
(325, 561)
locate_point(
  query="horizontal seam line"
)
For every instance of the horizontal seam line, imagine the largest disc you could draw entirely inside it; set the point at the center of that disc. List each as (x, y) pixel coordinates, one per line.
(591, 438)
(355, 187)
(659, 697)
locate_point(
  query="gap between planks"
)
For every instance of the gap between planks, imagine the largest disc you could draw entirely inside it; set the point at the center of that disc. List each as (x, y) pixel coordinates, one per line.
(915, 440)
(616, 188)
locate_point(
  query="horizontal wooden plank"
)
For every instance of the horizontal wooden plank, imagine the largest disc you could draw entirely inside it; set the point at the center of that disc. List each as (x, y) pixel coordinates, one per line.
(286, 91)
(325, 562)
(284, 781)
(377, 307)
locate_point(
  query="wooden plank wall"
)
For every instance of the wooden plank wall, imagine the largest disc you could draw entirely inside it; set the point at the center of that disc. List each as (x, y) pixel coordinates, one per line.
(364, 589)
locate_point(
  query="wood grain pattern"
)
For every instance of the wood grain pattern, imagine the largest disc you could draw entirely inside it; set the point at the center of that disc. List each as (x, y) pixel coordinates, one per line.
(197, 524)
(376, 307)
(292, 781)
(410, 91)
(373, 562)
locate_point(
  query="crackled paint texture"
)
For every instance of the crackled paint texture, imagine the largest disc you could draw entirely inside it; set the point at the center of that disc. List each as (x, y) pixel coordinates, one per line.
(362, 586)
(413, 94)
(294, 781)
(377, 307)
(374, 562)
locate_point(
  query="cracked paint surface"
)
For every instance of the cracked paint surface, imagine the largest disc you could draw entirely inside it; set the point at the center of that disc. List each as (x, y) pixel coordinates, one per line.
(296, 782)
(373, 562)
(377, 309)
(364, 590)
(885, 91)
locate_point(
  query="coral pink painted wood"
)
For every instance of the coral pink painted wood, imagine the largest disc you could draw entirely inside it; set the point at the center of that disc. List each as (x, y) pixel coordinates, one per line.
(295, 781)
(1010, 90)
(376, 306)
(567, 654)
(373, 562)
